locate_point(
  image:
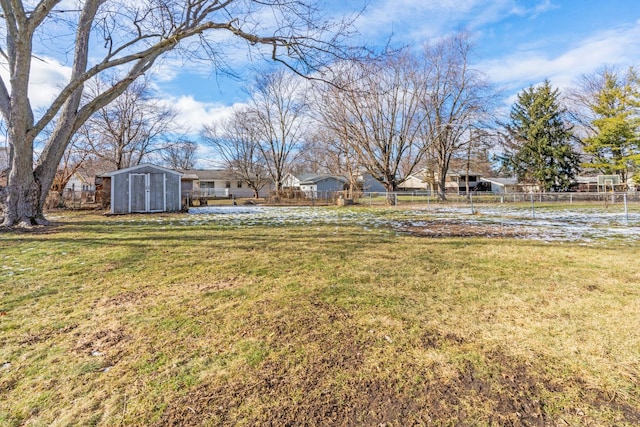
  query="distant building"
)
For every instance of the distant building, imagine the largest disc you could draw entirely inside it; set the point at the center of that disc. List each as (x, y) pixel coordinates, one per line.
(217, 183)
(80, 182)
(455, 181)
(311, 184)
(370, 184)
(501, 185)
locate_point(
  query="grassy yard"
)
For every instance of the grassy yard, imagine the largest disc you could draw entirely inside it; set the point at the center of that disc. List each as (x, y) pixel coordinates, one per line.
(140, 320)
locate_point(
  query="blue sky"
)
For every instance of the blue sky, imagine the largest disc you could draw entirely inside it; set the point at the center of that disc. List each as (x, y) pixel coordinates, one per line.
(517, 43)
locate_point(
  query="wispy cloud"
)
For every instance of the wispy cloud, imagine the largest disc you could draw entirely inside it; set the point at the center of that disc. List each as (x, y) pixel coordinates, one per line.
(48, 76)
(194, 114)
(535, 10)
(530, 66)
(414, 21)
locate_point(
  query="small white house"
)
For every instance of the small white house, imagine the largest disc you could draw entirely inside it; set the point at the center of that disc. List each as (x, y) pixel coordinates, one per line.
(507, 185)
(80, 182)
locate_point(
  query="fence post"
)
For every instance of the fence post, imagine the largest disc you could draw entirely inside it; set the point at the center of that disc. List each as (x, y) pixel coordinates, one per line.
(626, 209)
(533, 209)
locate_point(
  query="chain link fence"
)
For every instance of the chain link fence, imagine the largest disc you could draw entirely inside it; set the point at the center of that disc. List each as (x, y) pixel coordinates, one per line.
(427, 198)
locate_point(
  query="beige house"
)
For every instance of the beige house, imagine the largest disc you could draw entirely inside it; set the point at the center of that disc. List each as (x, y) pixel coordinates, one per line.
(455, 182)
(217, 183)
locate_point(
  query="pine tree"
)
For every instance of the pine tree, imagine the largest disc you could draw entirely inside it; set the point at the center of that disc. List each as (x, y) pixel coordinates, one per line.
(615, 144)
(541, 140)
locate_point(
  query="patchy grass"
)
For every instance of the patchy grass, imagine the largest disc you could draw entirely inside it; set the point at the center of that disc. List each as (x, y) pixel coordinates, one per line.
(159, 321)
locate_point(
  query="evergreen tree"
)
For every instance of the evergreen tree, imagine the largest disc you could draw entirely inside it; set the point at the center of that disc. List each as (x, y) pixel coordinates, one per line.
(540, 138)
(615, 143)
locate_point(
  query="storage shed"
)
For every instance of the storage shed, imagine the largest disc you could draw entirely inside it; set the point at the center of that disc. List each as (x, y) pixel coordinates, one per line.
(143, 188)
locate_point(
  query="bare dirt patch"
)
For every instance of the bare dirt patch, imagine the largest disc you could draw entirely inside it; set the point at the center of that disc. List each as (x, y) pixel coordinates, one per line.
(322, 375)
(45, 334)
(127, 298)
(453, 228)
(103, 342)
(218, 286)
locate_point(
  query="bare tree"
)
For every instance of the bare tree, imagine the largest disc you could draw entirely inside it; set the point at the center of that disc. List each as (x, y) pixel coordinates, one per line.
(278, 111)
(326, 151)
(71, 162)
(330, 148)
(379, 115)
(458, 99)
(129, 129)
(127, 37)
(179, 155)
(236, 141)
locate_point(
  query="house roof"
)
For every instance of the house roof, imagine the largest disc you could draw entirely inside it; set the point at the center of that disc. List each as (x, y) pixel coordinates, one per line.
(501, 181)
(586, 179)
(310, 179)
(140, 166)
(453, 172)
(424, 172)
(207, 174)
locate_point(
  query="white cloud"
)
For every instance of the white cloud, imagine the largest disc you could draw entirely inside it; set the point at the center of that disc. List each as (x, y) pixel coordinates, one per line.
(418, 21)
(48, 76)
(194, 114)
(535, 10)
(530, 66)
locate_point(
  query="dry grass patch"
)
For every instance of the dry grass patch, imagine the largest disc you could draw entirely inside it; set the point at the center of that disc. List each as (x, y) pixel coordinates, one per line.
(120, 321)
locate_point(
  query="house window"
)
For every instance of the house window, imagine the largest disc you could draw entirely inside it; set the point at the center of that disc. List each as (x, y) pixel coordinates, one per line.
(207, 184)
(239, 184)
(228, 184)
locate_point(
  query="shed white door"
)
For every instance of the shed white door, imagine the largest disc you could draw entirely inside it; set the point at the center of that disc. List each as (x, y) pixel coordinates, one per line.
(147, 192)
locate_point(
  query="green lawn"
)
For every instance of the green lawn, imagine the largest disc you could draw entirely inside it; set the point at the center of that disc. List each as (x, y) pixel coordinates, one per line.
(155, 320)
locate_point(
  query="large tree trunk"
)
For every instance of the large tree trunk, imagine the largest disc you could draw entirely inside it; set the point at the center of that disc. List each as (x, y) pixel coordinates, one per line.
(20, 199)
(442, 186)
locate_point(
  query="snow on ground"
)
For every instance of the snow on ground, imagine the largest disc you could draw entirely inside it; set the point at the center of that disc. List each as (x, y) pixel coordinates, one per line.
(548, 224)
(282, 216)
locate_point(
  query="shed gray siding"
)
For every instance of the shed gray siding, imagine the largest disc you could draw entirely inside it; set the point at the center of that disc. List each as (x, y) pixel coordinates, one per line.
(145, 188)
(330, 184)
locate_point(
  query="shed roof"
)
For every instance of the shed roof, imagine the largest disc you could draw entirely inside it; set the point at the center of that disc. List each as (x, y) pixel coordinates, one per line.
(137, 167)
(501, 181)
(310, 179)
